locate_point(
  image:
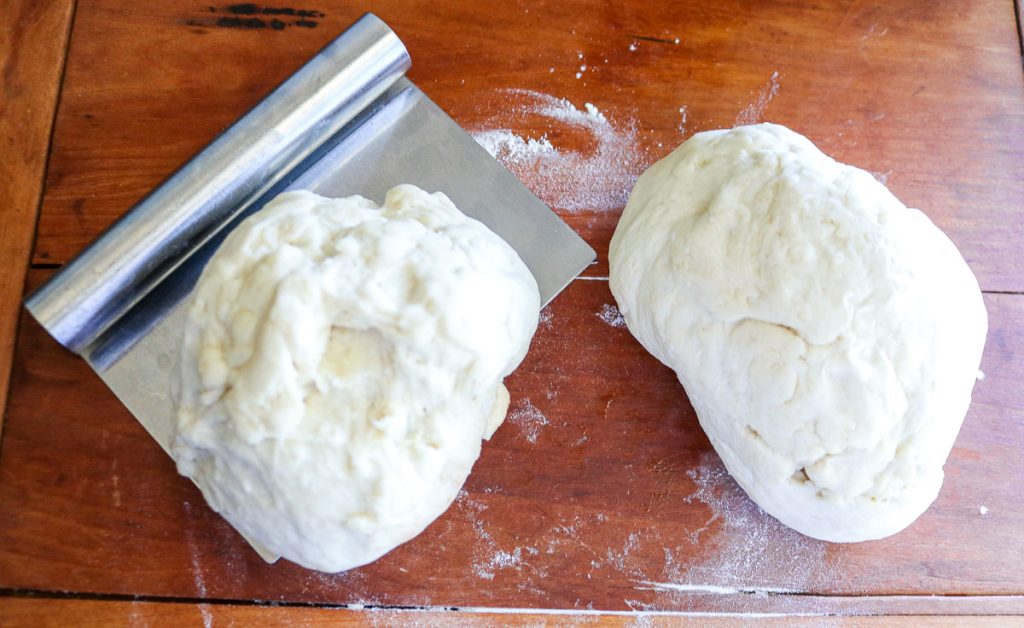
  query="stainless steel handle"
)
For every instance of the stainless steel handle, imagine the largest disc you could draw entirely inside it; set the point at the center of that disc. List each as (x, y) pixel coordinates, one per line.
(95, 289)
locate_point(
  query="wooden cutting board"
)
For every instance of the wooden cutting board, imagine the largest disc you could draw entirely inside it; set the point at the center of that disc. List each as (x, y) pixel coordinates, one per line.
(600, 493)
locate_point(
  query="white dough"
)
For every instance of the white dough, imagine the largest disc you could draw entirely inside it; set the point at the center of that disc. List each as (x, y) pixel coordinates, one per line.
(341, 364)
(827, 336)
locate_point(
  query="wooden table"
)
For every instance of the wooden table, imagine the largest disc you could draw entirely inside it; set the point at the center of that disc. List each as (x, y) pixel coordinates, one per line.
(600, 499)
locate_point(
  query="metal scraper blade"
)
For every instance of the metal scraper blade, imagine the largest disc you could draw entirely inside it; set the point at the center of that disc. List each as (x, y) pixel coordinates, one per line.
(347, 123)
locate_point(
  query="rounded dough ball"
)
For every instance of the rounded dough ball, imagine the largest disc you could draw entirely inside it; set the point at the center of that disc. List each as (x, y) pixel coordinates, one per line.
(827, 336)
(341, 363)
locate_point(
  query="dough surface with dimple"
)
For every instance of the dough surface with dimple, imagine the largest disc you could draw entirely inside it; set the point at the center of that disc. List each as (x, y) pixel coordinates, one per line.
(341, 364)
(827, 336)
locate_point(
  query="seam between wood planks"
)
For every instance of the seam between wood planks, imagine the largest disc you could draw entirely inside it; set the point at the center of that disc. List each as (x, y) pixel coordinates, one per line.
(1020, 29)
(911, 605)
(68, 30)
(19, 272)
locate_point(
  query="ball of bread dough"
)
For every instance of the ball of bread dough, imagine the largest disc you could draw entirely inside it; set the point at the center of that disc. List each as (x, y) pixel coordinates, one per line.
(827, 336)
(341, 364)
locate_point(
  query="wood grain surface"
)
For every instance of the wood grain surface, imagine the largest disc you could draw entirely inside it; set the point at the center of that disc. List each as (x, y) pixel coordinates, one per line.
(43, 612)
(32, 48)
(929, 95)
(600, 491)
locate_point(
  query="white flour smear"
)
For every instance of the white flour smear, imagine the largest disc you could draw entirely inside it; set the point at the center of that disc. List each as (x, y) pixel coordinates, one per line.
(485, 547)
(596, 177)
(754, 112)
(488, 557)
(883, 177)
(529, 420)
(197, 569)
(611, 316)
(545, 318)
(620, 559)
(751, 552)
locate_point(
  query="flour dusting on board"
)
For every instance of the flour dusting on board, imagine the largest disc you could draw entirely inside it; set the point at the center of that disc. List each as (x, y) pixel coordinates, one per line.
(754, 112)
(484, 546)
(197, 569)
(883, 177)
(752, 550)
(529, 420)
(489, 558)
(416, 618)
(611, 316)
(619, 558)
(544, 321)
(595, 176)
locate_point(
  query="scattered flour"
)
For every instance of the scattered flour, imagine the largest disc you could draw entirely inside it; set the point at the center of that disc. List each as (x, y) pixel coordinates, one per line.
(749, 559)
(582, 68)
(502, 144)
(544, 321)
(641, 620)
(596, 177)
(883, 177)
(529, 420)
(620, 559)
(683, 112)
(199, 580)
(753, 551)
(488, 557)
(204, 610)
(503, 559)
(485, 547)
(415, 618)
(611, 315)
(355, 584)
(116, 494)
(754, 112)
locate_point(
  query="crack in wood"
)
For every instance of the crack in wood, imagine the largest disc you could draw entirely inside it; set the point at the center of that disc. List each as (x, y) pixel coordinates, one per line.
(657, 40)
(250, 16)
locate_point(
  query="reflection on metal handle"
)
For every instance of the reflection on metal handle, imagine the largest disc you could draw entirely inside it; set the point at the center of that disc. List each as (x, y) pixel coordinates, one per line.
(89, 294)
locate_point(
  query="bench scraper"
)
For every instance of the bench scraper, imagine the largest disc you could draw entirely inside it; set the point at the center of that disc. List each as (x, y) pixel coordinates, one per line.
(348, 122)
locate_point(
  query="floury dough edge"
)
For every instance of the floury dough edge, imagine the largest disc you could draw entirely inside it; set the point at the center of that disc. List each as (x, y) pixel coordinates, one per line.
(827, 336)
(341, 364)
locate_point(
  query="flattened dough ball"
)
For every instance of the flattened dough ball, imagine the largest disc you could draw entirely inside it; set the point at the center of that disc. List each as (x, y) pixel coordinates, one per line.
(341, 364)
(827, 336)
